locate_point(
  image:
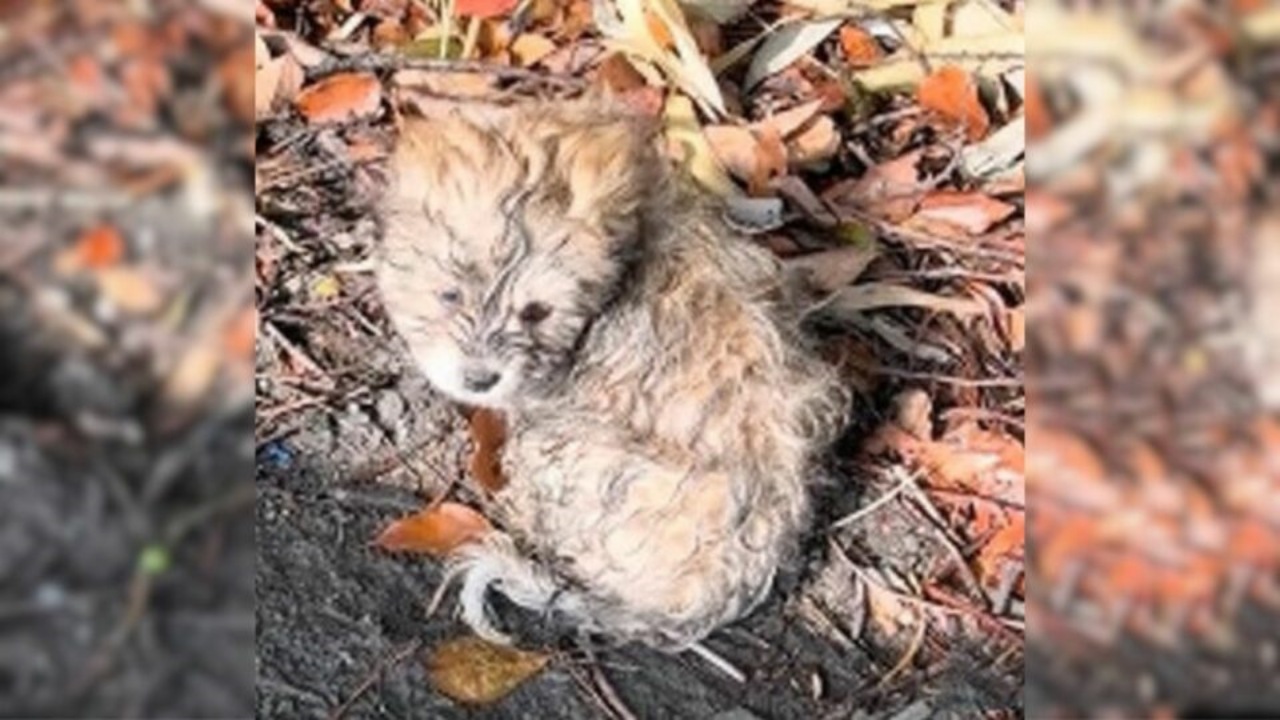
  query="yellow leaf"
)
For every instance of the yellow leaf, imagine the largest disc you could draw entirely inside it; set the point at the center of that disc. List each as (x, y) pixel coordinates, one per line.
(477, 672)
(326, 287)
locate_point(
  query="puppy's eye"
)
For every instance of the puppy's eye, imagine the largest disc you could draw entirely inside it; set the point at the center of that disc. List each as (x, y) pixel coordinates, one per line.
(534, 312)
(450, 297)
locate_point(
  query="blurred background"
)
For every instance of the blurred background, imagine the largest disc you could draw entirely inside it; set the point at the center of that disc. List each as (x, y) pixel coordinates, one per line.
(126, 332)
(1154, 464)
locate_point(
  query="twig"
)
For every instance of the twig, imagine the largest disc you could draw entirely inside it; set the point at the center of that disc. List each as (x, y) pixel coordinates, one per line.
(382, 63)
(608, 695)
(384, 663)
(874, 505)
(718, 662)
(1008, 382)
(907, 656)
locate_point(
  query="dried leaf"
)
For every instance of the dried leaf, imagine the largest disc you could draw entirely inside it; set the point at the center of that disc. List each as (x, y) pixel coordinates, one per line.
(632, 26)
(791, 120)
(132, 289)
(266, 82)
(952, 93)
(788, 44)
(830, 270)
(488, 433)
(688, 144)
(340, 97)
(437, 530)
(98, 247)
(239, 86)
(194, 374)
(860, 47)
(816, 144)
(890, 190)
(1036, 108)
(241, 333)
(477, 672)
(720, 11)
(872, 296)
(973, 212)
(528, 49)
(484, 8)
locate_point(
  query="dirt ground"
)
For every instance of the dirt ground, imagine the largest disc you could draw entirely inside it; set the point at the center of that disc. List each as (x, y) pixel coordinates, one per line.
(126, 541)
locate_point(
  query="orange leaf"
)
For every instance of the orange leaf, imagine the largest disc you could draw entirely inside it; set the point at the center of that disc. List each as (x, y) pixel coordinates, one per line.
(951, 92)
(488, 432)
(484, 8)
(437, 530)
(1036, 109)
(98, 247)
(240, 334)
(859, 46)
(340, 97)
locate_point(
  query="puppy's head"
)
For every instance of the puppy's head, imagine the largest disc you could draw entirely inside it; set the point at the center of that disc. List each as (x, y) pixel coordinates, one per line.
(507, 232)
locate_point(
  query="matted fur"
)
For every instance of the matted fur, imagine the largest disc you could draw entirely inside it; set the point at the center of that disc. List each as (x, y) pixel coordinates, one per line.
(665, 414)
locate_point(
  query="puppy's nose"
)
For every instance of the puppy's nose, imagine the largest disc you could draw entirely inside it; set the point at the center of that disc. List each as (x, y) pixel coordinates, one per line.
(480, 380)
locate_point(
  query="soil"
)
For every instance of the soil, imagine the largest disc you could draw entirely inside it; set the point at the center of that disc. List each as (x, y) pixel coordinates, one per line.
(126, 541)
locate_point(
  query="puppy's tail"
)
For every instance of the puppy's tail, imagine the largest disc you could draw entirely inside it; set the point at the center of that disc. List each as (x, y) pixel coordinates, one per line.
(495, 563)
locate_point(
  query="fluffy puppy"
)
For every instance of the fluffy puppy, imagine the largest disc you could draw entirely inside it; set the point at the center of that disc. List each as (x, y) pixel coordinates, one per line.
(664, 413)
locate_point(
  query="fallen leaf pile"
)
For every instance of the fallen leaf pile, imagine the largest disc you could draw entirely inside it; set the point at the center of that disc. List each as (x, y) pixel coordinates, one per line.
(121, 223)
(879, 152)
(1153, 474)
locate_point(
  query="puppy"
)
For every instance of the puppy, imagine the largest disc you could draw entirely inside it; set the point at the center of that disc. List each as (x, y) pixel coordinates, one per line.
(664, 413)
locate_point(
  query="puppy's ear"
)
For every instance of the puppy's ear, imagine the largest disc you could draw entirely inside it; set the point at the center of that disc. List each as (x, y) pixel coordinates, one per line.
(610, 168)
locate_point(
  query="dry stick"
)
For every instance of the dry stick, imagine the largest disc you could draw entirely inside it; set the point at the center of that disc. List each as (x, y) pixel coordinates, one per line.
(912, 650)
(874, 505)
(378, 62)
(383, 664)
(939, 524)
(606, 690)
(718, 662)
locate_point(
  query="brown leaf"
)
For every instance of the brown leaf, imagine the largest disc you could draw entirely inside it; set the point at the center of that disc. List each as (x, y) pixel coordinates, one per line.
(707, 35)
(860, 47)
(529, 48)
(1017, 329)
(484, 8)
(132, 289)
(889, 190)
(973, 212)
(266, 84)
(951, 92)
(829, 270)
(817, 143)
(748, 155)
(238, 84)
(340, 97)
(617, 74)
(477, 672)
(98, 247)
(194, 374)
(488, 433)
(437, 530)
(1036, 108)
(241, 333)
